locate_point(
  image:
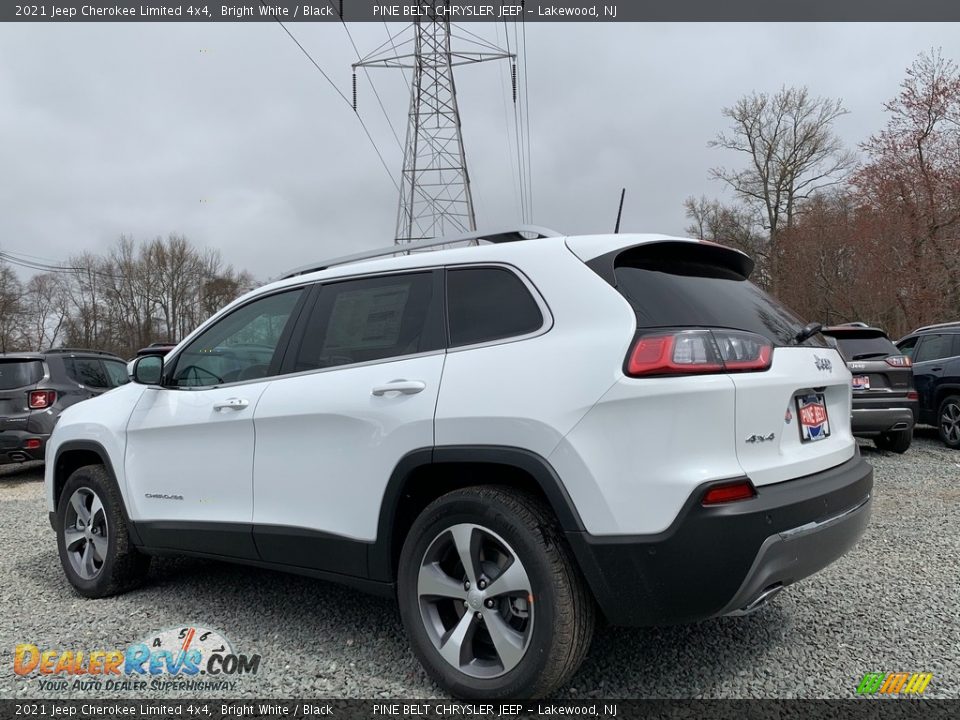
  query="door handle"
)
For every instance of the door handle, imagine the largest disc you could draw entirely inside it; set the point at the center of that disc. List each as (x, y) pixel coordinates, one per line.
(231, 404)
(406, 387)
(936, 369)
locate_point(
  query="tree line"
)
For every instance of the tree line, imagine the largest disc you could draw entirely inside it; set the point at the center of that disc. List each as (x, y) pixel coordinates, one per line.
(134, 294)
(839, 235)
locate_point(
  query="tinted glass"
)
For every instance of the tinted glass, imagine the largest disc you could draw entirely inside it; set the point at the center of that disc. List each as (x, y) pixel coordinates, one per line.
(371, 319)
(865, 348)
(116, 372)
(680, 291)
(19, 373)
(487, 304)
(933, 347)
(239, 346)
(907, 347)
(87, 371)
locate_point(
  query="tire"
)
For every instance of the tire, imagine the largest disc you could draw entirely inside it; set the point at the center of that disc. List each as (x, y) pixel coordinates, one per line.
(545, 622)
(897, 441)
(948, 421)
(95, 549)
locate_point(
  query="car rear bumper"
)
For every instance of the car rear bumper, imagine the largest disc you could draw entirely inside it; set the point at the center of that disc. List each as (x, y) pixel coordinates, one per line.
(12, 448)
(876, 415)
(727, 559)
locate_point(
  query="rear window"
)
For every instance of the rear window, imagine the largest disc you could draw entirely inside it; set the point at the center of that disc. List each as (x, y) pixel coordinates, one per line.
(686, 285)
(19, 373)
(865, 347)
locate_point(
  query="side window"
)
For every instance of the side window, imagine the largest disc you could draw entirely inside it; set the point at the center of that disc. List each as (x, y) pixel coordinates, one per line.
(87, 371)
(908, 347)
(116, 372)
(238, 347)
(485, 304)
(956, 346)
(371, 319)
(933, 347)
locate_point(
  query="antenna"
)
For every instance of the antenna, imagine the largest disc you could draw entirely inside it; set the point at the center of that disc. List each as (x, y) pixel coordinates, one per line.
(435, 196)
(623, 194)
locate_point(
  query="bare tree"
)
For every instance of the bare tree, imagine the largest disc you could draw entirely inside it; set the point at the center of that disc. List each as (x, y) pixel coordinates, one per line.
(45, 309)
(11, 293)
(792, 152)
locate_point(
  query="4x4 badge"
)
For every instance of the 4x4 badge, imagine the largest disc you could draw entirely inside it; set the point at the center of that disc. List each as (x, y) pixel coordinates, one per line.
(822, 363)
(760, 438)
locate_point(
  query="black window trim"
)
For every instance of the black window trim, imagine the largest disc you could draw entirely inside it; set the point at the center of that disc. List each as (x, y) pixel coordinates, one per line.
(296, 340)
(535, 293)
(283, 343)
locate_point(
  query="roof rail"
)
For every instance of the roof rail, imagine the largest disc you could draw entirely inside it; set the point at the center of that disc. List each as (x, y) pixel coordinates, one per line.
(512, 234)
(85, 351)
(938, 325)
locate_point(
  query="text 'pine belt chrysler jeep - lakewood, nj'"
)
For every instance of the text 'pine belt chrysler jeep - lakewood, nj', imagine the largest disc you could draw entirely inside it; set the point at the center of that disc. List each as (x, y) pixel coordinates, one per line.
(514, 438)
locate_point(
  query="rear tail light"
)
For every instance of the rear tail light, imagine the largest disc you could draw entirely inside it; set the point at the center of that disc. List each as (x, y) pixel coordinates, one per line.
(729, 492)
(695, 352)
(32, 444)
(41, 399)
(913, 395)
(900, 361)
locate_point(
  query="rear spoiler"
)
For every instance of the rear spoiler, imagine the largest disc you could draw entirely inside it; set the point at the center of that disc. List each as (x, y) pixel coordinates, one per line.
(674, 252)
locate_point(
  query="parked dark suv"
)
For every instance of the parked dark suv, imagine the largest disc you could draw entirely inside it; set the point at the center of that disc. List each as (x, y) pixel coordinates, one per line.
(935, 350)
(36, 387)
(884, 398)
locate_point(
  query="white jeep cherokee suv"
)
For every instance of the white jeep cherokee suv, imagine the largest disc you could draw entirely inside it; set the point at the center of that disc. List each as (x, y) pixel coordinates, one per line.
(513, 438)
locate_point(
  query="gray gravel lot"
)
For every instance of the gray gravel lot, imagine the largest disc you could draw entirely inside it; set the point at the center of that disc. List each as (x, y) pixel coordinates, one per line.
(890, 604)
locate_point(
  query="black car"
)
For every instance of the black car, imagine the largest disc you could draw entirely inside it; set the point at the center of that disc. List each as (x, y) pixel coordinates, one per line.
(935, 350)
(36, 387)
(885, 405)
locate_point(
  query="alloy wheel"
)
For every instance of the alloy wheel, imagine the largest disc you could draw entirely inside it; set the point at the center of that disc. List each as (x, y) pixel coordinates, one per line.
(85, 533)
(476, 601)
(950, 422)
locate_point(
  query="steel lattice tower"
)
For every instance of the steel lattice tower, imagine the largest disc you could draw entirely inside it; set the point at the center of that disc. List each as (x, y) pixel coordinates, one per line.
(435, 197)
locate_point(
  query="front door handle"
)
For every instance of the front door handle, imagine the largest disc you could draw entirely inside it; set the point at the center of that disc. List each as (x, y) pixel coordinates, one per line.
(406, 387)
(231, 404)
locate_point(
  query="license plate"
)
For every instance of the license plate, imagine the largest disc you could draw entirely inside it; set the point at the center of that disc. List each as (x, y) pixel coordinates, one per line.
(861, 382)
(812, 412)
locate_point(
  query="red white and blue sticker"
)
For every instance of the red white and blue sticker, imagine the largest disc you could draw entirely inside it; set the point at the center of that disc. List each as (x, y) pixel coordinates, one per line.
(812, 413)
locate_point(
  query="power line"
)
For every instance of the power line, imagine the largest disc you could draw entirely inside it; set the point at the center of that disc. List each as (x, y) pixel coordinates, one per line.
(526, 102)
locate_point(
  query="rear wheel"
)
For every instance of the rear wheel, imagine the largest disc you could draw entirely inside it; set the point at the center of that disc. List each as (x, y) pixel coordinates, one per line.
(491, 598)
(948, 421)
(95, 549)
(897, 441)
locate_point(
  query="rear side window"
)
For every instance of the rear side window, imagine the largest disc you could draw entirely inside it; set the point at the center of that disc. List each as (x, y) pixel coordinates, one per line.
(683, 285)
(19, 373)
(485, 304)
(370, 319)
(933, 347)
(865, 347)
(87, 371)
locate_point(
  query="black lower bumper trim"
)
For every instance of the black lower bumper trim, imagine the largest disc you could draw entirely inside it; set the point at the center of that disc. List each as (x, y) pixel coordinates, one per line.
(711, 559)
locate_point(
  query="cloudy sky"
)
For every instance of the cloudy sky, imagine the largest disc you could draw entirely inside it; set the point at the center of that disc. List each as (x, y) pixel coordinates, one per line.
(226, 133)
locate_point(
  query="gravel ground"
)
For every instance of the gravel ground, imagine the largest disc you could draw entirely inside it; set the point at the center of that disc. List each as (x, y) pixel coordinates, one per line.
(892, 604)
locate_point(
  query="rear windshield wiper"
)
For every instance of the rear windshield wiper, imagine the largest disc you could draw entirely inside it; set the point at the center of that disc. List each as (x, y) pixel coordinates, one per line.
(864, 356)
(808, 332)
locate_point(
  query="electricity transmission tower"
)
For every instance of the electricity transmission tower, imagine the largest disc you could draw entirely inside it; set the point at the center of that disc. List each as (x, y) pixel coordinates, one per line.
(435, 197)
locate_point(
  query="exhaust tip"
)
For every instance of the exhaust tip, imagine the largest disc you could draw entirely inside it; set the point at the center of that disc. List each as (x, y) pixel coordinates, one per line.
(758, 602)
(17, 456)
(899, 426)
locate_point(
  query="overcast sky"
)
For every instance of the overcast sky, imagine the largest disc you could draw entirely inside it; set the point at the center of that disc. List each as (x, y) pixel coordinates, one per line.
(224, 132)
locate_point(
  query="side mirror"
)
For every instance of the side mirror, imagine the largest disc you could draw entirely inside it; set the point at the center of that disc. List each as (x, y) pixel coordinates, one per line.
(147, 370)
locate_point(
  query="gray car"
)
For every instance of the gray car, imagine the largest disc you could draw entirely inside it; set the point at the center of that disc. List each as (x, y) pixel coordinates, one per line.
(36, 387)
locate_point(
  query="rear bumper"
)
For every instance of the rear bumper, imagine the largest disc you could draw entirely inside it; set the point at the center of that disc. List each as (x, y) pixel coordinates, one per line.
(719, 560)
(876, 415)
(12, 448)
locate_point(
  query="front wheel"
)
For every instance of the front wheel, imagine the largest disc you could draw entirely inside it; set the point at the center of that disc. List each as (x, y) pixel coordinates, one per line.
(95, 549)
(491, 597)
(949, 421)
(897, 441)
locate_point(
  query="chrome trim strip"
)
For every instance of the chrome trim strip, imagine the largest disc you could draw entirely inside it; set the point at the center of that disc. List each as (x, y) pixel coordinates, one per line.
(812, 527)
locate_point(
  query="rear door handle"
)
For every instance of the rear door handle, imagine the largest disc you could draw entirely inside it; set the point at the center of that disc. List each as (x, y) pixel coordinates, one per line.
(231, 404)
(406, 387)
(937, 369)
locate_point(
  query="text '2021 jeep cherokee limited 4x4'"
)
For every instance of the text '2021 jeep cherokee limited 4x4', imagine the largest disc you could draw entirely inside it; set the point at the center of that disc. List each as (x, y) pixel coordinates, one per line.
(511, 437)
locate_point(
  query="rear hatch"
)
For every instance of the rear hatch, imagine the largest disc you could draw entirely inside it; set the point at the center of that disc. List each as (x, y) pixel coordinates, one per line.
(792, 400)
(878, 368)
(18, 376)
